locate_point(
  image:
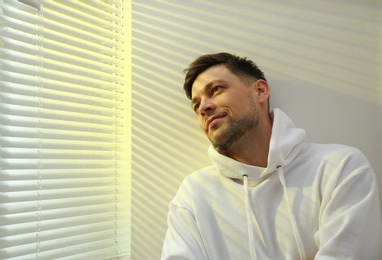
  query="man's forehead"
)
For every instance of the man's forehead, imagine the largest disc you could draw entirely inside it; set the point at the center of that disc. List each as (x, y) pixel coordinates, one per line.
(213, 72)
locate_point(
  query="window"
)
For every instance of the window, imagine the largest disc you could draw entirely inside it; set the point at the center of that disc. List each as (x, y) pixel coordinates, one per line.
(65, 129)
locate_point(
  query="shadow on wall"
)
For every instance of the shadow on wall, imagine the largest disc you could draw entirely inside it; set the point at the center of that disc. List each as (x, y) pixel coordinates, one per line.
(322, 59)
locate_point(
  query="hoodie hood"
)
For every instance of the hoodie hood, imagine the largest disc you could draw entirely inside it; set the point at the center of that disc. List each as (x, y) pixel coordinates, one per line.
(285, 144)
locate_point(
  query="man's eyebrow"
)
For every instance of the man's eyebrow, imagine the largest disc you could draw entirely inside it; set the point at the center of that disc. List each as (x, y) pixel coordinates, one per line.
(207, 87)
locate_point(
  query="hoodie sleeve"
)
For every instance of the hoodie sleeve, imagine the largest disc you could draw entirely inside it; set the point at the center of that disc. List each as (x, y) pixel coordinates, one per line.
(350, 225)
(182, 240)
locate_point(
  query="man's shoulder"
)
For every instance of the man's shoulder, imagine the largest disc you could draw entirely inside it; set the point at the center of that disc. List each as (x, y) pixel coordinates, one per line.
(335, 151)
(201, 174)
(201, 178)
(337, 156)
(194, 185)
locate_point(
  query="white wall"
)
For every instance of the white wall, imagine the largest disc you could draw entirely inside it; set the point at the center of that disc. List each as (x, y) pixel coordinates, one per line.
(323, 60)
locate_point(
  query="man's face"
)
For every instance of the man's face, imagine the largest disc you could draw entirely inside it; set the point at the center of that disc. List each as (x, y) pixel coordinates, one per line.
(225, 106)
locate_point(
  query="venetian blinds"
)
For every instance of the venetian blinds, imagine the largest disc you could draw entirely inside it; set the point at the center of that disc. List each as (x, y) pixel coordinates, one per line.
(65, 129)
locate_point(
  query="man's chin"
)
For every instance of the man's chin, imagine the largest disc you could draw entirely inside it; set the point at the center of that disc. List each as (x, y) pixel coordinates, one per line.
(219, 143)
(221, 147)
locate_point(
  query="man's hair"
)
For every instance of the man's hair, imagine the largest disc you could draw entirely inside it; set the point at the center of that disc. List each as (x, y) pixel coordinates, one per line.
(244, 68)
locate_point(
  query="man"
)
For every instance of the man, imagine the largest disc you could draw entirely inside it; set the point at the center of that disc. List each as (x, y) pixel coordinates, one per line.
(268, 193)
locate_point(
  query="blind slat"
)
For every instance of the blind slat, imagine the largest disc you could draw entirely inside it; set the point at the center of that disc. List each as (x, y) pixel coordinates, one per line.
(64, 247)
(62, 63)
(61, 33)
(32, 196)
(11, 51)
(61, 110)
(28, 163)
(21, 79)
(89, 54)
(60, 134)
(57, 90)
(94, 202)
(33, 174)
(21, 142)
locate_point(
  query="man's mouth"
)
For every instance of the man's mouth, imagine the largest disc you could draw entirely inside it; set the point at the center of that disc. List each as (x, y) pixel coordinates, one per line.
(213, 120)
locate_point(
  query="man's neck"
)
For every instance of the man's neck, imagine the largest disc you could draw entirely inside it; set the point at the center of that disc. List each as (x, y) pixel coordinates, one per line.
(251, 149)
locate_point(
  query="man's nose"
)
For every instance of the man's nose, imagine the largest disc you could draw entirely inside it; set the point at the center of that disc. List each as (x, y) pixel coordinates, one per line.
(207, 107)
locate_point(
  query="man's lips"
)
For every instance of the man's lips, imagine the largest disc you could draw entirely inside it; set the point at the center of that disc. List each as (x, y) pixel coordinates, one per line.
(213, 118)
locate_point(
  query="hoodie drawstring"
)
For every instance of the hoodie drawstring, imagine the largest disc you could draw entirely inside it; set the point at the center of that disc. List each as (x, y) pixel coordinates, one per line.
(249, 217)
(292, 219)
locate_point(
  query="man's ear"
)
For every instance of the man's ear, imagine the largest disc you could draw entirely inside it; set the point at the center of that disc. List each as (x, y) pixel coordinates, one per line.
(263, 90)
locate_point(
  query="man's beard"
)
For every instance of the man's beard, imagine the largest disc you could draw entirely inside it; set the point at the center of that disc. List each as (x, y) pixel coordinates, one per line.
(236, 129)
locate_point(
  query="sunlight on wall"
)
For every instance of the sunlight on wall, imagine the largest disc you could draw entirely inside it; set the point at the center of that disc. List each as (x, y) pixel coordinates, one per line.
(330, 47)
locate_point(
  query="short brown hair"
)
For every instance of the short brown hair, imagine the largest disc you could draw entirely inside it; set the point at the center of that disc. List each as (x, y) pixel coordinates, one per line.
(241, 67)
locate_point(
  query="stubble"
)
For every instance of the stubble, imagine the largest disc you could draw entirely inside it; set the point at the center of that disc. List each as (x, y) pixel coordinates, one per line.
(236, 128)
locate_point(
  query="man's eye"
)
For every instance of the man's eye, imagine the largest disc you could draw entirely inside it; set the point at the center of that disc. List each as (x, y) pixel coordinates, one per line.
(196, 108)
(215, 89)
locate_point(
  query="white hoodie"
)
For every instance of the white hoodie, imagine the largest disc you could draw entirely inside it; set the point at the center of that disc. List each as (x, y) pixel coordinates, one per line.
(312, 202)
